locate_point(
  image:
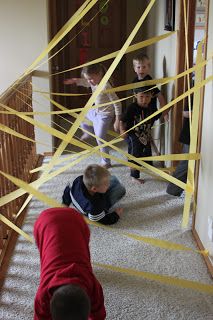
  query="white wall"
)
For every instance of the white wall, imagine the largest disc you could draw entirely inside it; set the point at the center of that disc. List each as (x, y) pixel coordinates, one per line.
(23, 35)
(205, 184)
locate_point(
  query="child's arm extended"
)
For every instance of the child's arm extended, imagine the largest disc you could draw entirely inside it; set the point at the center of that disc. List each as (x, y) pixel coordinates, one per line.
(78, 81)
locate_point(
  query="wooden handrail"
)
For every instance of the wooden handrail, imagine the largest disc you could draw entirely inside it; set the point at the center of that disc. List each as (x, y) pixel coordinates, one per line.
(17, 156)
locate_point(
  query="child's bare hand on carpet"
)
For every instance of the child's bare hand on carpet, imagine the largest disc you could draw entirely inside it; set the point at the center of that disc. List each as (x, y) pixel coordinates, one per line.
(119, 211)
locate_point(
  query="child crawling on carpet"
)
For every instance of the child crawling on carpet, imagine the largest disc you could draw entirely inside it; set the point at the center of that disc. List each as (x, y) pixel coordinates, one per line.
(94, 194)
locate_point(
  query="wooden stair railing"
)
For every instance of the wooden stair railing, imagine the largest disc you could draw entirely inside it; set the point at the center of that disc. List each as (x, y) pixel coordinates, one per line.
(17, 156)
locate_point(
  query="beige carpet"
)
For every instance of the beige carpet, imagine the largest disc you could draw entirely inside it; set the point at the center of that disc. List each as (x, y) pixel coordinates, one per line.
(148, 211)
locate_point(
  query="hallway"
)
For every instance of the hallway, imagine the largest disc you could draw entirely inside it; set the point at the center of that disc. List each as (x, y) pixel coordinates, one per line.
(148, 211)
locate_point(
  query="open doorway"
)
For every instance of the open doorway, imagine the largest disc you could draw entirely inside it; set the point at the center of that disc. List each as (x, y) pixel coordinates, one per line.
(88, 40)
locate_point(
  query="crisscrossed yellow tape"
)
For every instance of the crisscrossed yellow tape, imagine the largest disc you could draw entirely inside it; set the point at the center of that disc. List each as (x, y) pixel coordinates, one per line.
(78, 15)
(110, 143)
(53, 203)
(69, 137)
(112, 55)
(87, 24)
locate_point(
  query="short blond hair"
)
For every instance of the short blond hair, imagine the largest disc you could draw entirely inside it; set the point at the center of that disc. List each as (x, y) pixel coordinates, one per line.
(141, 58)
(94, 175)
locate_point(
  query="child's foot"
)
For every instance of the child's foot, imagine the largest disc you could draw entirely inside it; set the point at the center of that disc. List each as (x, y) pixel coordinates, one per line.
(84, 137)
(141, 181)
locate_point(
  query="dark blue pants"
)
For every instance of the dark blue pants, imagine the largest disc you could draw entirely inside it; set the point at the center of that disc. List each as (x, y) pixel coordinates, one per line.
(138, 150)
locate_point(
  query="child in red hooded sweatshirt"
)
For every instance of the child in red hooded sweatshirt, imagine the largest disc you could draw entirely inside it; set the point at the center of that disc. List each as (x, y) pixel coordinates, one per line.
(68, 288)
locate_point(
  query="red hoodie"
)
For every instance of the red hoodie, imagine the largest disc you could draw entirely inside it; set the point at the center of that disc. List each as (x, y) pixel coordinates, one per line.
(62, 237)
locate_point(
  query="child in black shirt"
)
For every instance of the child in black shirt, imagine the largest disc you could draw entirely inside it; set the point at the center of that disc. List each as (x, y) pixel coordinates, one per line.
(142, 66)
(139, 138)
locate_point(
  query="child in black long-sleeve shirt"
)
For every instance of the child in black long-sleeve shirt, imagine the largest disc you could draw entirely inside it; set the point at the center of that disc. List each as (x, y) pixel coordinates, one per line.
(139, 138)
(94, 194)
(142, 66)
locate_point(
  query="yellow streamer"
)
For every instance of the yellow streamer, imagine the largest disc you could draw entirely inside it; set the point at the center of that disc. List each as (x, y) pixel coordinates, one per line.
(160, 278)
(100, 86)
(112, 55)
(15, 228)
(52, 203)
(39, 195)
(163, 244)
(193, 138)
(78, 15)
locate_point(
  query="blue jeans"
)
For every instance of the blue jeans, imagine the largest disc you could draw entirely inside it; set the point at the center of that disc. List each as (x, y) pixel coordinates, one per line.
(138, 150)
(115, 192)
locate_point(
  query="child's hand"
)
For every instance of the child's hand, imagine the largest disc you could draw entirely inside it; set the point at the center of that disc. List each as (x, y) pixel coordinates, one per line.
(186, 114)
(70, 81)
(166, 117)
(116, 125)
(123, 135)
(119, 211)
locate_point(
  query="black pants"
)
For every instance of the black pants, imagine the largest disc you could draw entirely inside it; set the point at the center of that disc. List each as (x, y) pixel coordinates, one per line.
(138, 150)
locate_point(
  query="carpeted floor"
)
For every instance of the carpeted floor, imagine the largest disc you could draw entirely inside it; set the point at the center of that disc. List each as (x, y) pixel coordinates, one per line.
(148, 211)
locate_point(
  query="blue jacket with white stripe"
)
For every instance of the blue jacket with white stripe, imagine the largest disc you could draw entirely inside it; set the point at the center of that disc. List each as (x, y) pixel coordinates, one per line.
(95, 206)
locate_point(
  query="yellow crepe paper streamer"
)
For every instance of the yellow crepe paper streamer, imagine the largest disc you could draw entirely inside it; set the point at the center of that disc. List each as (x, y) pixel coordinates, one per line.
(179, 98)
(181, 156)
(80, 144)
(61, 160)
(178, 182)
(15, 228)
(147, 275)
(188, 284)
(131, 86)
(87, 24)
(100, 86)
(39, 195)
(19, 135)
(78, 15)
(112, 55)
(187, 60)
(132, 165)
(48, 176)
(163, 244)
(173, 157)
(193, 138)
(142, 163)
(49, 202)
(35, 184)
(52, 203)
(141, 84)
(121, 88)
